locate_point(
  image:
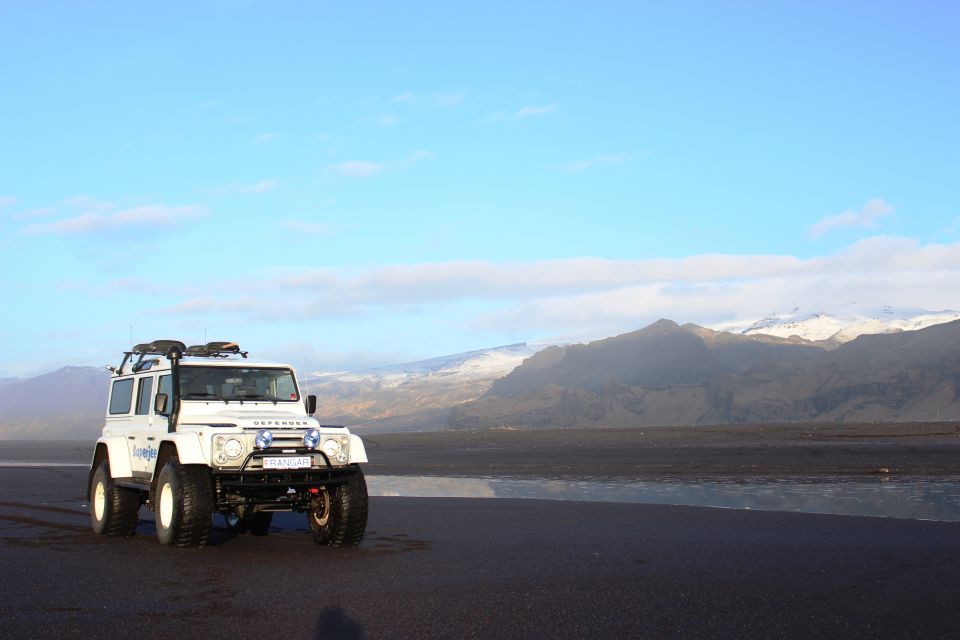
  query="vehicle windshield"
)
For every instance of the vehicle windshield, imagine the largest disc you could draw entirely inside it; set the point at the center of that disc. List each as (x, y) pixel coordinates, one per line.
(238, 383)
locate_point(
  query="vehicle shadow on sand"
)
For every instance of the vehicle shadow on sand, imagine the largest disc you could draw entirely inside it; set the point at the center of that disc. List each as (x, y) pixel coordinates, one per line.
(333, 622)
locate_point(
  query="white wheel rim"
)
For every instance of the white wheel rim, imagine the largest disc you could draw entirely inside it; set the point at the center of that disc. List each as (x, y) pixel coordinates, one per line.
(166, 505)
(99, 501)
(322, 521)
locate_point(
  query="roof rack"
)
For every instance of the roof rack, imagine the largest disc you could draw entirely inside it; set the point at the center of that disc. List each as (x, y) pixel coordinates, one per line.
(166, 347)
(155, 348)
(215, 350)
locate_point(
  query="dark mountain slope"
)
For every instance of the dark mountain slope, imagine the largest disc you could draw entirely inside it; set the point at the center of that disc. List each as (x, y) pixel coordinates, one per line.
(66, 403)
(667, 374)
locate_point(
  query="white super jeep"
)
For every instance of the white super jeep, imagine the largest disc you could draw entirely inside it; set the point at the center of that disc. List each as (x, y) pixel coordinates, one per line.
(194, 431)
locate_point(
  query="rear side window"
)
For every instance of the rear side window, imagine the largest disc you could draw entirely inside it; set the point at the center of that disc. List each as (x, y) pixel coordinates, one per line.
(143, 396)
(121, 396)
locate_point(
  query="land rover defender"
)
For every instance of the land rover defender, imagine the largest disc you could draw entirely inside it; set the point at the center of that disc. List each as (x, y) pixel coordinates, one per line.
(191, 432)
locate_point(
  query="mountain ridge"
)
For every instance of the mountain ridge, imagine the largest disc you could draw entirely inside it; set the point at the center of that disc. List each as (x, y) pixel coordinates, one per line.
(436, 393)
(908, 376)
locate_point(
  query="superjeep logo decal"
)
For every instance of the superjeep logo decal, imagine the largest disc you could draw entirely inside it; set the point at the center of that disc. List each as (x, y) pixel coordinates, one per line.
(146, 454)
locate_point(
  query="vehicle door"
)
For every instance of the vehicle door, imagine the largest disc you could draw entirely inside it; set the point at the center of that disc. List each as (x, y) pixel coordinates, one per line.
(142, 437)
(120, 409)
(159, 422)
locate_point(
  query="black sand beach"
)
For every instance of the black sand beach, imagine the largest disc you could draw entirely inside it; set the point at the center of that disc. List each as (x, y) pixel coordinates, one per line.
(796, 450)
(496, 568)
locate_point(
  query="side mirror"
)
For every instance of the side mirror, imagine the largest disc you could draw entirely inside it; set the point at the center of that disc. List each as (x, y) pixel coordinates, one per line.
(311, 405)
(160, 404)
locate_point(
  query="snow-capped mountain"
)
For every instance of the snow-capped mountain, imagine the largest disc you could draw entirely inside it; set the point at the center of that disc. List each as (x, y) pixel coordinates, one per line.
(416, 395)
(484, 363)
(839, 326)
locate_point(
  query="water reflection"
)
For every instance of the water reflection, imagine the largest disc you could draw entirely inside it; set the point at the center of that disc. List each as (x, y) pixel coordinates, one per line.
(916, 499)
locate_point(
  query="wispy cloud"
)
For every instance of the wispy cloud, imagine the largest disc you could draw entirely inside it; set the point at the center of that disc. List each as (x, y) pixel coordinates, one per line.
(606, 159)
(528, 111)
(556, 297)
(866, 217)
(388, 120)
(260, 186)
(265, 138)
(367, 169)
(302, 227)
(405, 96)
(413, 158)
(156, 216)
(7, 201)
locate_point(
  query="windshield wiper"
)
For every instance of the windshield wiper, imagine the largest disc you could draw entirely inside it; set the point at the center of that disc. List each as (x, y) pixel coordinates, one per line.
(204, 394)
(256, 396)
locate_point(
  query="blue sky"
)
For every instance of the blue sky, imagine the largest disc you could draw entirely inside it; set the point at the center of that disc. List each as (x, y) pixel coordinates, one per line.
(348, 185)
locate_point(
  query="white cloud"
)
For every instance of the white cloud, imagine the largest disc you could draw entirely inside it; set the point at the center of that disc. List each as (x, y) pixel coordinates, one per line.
(601, 297)
(143, 217)
(307, 228)
(368, 169)
(261, 186)
(406, 96)
(7, 201)
(613, 158)
(528, 111)
(866, 217)
(388, 120)
(413, 158)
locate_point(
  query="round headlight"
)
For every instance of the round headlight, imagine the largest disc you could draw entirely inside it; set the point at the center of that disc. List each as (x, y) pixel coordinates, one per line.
(331, 447)
(233, 448)
(263, 439)
(311, 438)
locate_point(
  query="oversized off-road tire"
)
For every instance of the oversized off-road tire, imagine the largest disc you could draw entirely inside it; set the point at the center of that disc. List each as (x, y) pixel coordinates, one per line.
(114, 511)
(257, 523)
(340, 518)
(184, 504)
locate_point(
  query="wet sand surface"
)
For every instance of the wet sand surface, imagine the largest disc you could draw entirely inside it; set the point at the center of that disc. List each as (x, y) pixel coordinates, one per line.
(503, 568)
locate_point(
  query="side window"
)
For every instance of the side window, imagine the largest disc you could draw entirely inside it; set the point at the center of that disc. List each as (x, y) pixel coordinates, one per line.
(144, 395)
(121, 396)
(166, 386)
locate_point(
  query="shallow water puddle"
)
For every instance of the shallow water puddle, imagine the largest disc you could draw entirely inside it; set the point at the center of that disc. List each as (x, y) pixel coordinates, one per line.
(915, 499)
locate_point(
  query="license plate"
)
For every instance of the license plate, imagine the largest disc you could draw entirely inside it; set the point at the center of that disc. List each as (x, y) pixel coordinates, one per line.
(302, 462)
